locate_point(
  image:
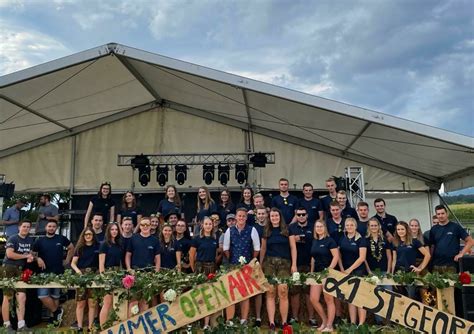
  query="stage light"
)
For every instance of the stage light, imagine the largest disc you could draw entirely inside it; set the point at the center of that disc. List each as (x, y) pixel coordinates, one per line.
(223, 174)
(208, 173)
(181, 172)
(162, 175)
(241, 173)
(142, 163)
(259, 160)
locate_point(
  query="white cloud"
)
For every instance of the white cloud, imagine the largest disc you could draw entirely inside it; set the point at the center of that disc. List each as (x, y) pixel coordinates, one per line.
(22, 48)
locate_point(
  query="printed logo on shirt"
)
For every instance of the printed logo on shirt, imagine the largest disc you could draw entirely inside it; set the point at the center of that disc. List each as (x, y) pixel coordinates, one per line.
(321, 246)
(313, 207)
(150, 247)
(409, 246)
(353, 244)
(59, 244)
(214, 243)
(449, 233)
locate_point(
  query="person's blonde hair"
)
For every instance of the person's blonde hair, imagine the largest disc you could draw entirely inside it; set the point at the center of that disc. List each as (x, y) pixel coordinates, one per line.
(201, 232)
(325, 233)
(379, 233)
(419, 235)
(350, 219)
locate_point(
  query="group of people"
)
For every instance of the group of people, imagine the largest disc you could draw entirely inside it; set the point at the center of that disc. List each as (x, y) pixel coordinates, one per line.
(290, 235)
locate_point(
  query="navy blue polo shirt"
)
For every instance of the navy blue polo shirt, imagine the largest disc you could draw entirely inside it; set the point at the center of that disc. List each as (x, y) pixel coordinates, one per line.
(114, 254)
(99, 237)
(313, 206)
(336, 231)
(168, 254)
(102, 205)
(303, 247)
(349, 212)
(287, 206)
(166, 207)
(278, 245)
(406, 255)
(388, 223)
(206, 212)
(349, 248)
(51, 250)
(224, 211)
(374, 251)
(132, 213)
(362, 227)
(321, 252)
(446, 242)
(144, 250)
(325, 203)
(206, 248)
(88, 256)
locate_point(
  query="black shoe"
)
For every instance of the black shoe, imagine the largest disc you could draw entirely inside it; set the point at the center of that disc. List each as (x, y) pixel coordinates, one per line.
(313, 323)
(258, 323)
(58, 316)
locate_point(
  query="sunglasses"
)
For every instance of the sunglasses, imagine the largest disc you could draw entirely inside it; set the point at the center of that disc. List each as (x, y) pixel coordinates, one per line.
(127, 218)
(145, 224)
(301, 214)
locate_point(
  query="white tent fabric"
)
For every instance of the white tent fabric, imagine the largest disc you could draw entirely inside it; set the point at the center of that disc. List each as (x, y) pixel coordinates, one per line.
(94, 97)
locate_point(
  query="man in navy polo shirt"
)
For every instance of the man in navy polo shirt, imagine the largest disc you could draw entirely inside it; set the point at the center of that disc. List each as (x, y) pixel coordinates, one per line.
(97, 224)
(241, 240)
(444, 241)
(326, 200)
(301, 233)
(312, 205)
(50, 252)
(286, 202)
(346, 209)
(388, 222)
(363, 221)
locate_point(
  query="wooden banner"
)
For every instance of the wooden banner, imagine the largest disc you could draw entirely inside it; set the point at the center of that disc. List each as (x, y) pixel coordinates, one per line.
(393, 306)
(201, 301)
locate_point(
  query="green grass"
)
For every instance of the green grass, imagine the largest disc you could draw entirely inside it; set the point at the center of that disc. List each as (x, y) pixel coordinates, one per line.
(464, 212)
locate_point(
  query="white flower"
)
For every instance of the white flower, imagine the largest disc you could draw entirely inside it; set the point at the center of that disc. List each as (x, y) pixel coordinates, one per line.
(445, 280)
(242, 260)
(373, 280)
(135, 310)
(170, 295)
(296, 276)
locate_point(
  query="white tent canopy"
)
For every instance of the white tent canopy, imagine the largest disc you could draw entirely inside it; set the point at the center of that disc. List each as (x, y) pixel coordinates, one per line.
(59, 100)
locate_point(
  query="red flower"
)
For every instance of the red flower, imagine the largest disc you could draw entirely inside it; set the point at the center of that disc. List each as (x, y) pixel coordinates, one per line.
(211, 276)
(26, 275)
(128, 281)
(287, 329)
(465, 278)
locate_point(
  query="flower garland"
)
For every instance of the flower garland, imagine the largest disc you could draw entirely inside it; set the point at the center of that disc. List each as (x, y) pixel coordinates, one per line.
(146, 284)
(376, 248)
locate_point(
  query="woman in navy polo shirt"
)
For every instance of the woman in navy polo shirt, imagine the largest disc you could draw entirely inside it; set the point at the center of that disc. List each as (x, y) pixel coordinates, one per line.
(183, 241)
(203, 253)
(129, 208)
(278, 259)
(405, 248)
(102, 203)
(353, 248)
(85, 260)
(111, 254)
(225, 207)
(247, 203)
(171, 202)
(205, 207)
(168, 244)
(324, 254)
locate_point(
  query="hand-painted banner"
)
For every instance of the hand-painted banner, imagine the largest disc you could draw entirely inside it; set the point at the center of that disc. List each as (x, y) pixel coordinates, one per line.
(201, 301)
(393, 306)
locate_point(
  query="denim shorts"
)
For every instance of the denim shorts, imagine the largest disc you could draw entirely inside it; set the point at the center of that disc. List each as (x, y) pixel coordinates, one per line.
(54, 293)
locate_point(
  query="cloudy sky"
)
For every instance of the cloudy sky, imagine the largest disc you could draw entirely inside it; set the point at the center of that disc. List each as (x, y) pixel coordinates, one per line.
(412, 59)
